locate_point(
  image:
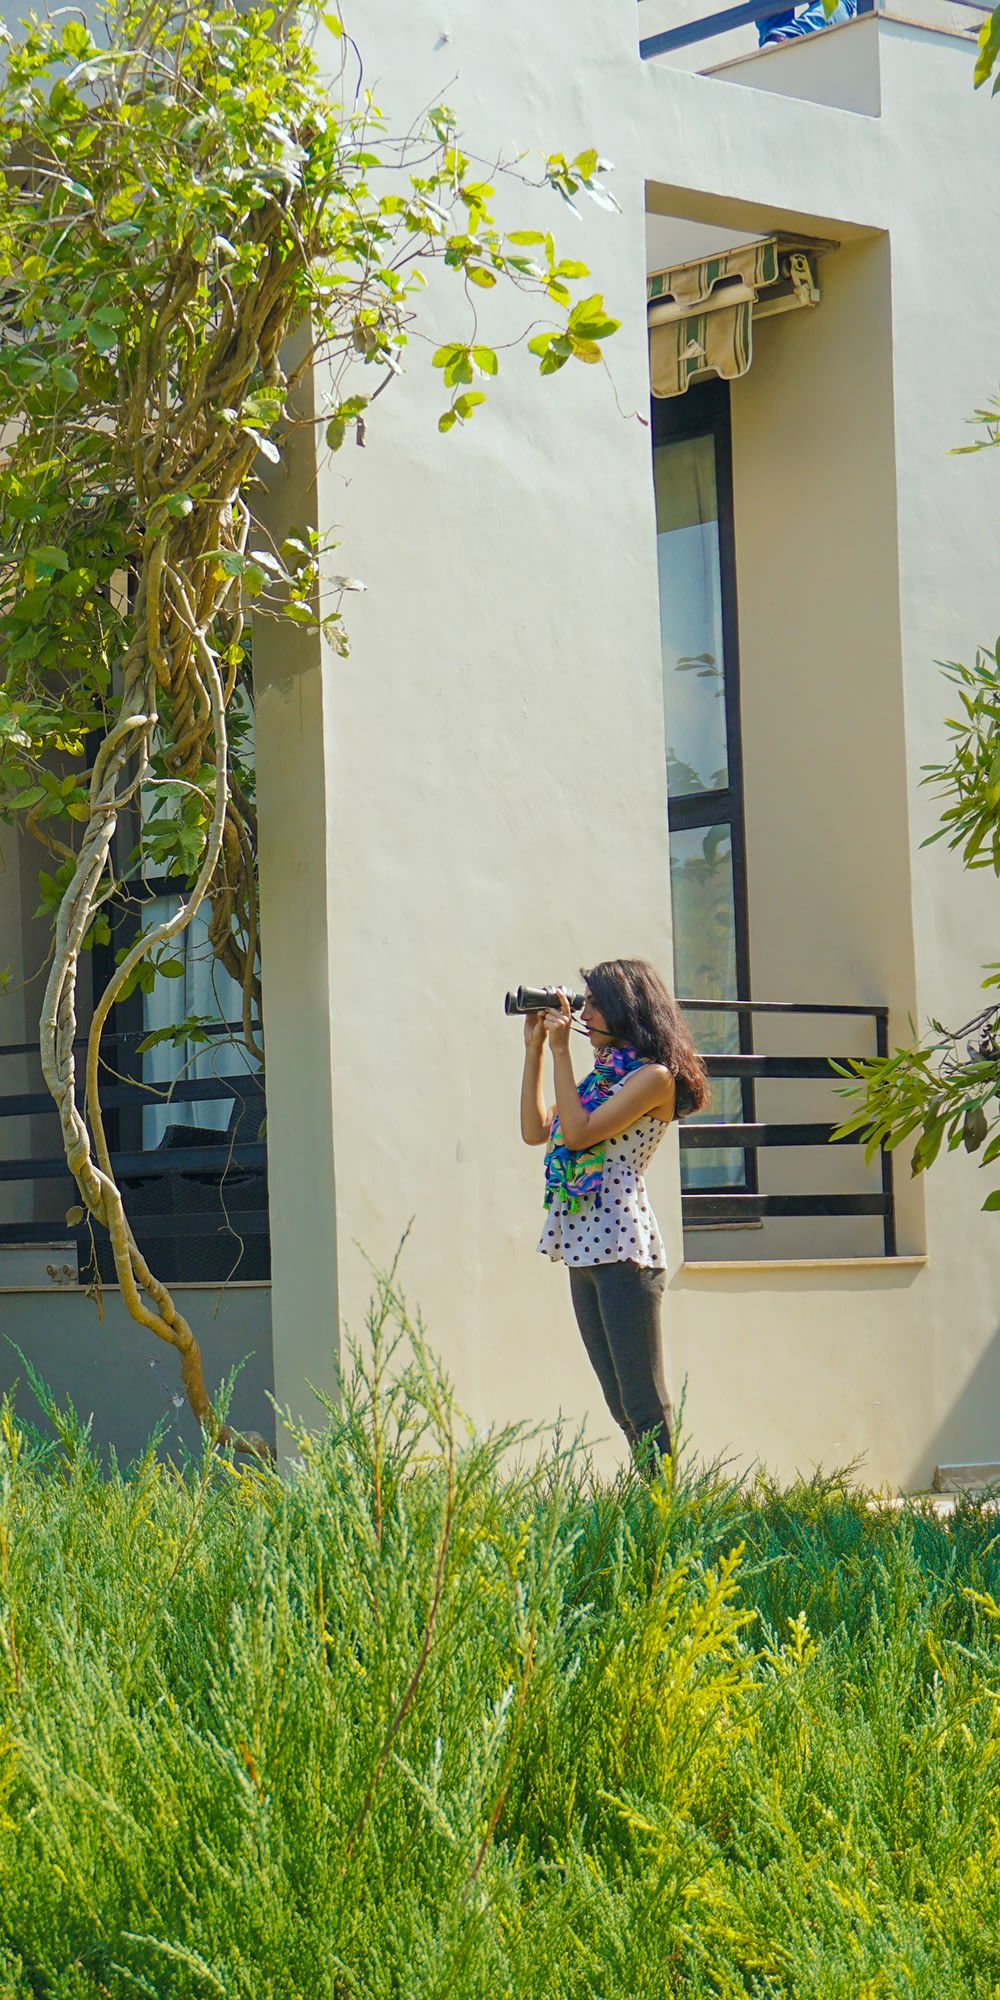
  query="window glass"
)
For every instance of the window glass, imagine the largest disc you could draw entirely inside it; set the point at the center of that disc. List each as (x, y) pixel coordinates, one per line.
(687, 523)
(202, 989)
(701, 876)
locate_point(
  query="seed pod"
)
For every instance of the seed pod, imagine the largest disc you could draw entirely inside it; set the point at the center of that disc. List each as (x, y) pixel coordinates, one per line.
(975, 1128)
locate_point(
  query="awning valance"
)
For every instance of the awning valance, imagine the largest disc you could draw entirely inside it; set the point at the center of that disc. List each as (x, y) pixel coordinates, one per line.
(701, 313)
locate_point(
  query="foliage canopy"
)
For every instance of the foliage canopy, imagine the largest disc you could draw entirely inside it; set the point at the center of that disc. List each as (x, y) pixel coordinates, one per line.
(179, 195)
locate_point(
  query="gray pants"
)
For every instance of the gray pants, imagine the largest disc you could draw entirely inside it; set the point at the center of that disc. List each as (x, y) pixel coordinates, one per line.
(617, 1307)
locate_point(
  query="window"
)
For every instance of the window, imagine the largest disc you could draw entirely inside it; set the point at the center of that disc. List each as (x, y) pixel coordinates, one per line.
(189, 1108)
(692, 472)
(202, 990)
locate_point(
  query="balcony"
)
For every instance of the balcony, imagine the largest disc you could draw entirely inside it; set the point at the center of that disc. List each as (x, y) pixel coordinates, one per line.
(782, 1174)
(196, 1199)
(839, 65)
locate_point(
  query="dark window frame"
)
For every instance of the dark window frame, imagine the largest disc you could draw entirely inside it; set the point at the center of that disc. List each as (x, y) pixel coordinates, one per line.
(123, 1124)
(705, 410)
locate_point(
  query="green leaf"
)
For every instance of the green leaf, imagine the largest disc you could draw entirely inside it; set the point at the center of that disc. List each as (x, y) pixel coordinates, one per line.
(974, 1128)
(76, 39)
(51, 557)
(992, 1201)
(989, 47)
(590, 320)
(101, 337)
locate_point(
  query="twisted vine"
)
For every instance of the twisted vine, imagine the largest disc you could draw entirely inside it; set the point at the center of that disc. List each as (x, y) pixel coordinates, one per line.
(175, 201)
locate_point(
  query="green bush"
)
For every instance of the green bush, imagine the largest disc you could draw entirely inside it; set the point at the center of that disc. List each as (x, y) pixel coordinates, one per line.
(435, 1716)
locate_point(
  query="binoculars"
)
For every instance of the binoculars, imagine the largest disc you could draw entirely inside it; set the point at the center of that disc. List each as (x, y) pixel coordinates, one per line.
(535, 1000)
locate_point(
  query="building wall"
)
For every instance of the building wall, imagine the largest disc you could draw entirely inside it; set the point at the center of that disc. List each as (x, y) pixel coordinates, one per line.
(896, 1365)
(478, 796)
(828, 834)
(498, 799)
(124, 1380)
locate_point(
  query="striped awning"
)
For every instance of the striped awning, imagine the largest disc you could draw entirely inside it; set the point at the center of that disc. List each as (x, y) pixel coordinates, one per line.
(700, 314)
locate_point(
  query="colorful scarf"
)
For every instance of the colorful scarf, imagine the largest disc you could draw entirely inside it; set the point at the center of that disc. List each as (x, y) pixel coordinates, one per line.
(569, 1175)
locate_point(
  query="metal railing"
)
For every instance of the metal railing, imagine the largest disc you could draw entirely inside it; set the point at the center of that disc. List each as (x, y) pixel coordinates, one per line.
(205, 1195)
(205, 1199)
(715, 1206)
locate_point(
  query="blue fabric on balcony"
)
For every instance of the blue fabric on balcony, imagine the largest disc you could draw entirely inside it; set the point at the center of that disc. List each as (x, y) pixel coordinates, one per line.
(783, 27)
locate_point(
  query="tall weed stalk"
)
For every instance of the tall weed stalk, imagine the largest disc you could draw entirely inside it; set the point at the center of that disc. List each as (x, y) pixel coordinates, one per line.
(438, 1716)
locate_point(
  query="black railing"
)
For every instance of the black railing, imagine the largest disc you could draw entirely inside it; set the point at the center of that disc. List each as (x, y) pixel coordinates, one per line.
(717, 1205)
(200, 1199)
(199, 1196)
(745, 15)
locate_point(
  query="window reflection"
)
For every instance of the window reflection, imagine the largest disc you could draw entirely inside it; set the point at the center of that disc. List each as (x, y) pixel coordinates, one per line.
(687, 522)
(701, 879)
(201, 992)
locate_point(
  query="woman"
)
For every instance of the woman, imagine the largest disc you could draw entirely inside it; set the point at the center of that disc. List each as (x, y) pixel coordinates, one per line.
(600, 1140)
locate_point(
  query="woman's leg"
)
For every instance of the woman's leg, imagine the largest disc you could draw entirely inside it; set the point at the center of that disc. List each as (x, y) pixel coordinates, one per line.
(630, 1296)
(589, 1319)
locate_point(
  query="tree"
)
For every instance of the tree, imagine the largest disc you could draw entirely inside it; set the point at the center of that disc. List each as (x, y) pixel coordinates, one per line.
(945, 1087)
(178, 197)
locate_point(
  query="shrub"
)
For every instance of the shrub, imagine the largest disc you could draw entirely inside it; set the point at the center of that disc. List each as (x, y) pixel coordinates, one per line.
(433, 1715)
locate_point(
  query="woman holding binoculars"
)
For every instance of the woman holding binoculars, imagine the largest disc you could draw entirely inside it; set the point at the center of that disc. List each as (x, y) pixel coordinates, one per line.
(599, 1139)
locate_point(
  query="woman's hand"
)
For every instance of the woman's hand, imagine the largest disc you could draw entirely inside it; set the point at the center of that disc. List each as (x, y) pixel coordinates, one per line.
(557, 1026)
(535, 1031)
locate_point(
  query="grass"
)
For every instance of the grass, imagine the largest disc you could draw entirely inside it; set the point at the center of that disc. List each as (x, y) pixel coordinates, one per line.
(419, 1720)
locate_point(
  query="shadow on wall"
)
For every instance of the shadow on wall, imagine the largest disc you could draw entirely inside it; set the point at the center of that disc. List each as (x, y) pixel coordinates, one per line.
(970, 1433)
(126, 1379)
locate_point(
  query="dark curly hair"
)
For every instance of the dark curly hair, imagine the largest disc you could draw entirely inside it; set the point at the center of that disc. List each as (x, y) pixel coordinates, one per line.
(640, 1012)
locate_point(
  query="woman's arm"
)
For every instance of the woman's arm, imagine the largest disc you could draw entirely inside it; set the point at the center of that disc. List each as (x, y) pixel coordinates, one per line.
(651, 1088)
(536, 1121)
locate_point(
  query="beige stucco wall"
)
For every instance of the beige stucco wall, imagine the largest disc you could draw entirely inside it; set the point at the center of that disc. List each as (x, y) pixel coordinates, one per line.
(900, 1366)
(497, 794)
(118, 1377)
(498, 746)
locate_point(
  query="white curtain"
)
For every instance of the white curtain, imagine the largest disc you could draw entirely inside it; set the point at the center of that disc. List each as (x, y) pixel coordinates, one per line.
(204, 989)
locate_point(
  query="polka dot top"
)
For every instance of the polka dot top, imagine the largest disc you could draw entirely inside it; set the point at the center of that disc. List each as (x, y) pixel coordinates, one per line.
(617, 1226)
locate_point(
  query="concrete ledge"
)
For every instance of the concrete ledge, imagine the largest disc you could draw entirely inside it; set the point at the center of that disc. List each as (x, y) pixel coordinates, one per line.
(56, 1290)
(122, 1377)
(965, 1478)
(713, 1266)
